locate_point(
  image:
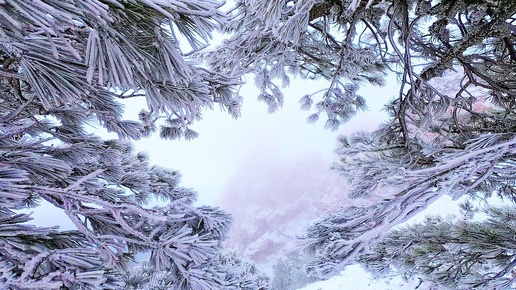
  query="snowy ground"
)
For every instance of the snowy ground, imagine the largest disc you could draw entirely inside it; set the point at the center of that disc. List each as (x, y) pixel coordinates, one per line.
(355, 278)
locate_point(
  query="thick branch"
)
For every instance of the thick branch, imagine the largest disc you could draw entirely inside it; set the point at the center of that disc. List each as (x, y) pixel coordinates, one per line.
(319, 10)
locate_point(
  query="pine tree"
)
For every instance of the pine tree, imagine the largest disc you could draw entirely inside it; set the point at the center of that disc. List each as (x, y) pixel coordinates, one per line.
(451, 127)
(453, 253)
(240, 275)
(289, 271)
(64, 65)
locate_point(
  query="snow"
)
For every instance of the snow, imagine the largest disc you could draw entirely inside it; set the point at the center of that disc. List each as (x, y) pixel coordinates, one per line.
(355, 278)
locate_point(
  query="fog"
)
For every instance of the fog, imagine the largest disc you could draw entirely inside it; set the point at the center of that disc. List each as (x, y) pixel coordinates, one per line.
(283, 180)
(267, 170)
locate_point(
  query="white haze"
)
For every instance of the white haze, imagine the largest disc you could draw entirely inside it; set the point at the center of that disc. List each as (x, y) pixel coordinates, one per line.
(210, 161)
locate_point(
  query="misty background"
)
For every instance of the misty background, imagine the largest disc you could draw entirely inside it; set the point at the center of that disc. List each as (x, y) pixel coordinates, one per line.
(270, 171)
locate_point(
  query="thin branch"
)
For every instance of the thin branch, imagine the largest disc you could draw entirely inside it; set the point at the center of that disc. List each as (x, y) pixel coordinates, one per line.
(83, 179)
(18, 110)
(9, 74)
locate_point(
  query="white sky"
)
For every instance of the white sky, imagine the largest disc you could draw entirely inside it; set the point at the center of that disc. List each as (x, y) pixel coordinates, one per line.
(210, 160)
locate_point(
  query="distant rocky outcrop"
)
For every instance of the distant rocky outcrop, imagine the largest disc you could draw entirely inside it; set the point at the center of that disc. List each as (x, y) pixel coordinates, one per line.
(279, 198)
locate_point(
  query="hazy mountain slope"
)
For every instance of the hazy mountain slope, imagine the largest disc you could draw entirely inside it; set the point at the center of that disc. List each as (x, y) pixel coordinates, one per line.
(278, 199)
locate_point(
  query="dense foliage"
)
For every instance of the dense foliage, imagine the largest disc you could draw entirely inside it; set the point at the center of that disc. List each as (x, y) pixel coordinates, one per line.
(457, 253)
(241, 275)
(64, 65)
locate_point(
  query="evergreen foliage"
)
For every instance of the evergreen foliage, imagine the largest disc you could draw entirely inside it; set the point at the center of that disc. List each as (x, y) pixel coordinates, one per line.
(453, 253)
(451, 125)
(239, 275)
(64, 65)
(289, 272)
